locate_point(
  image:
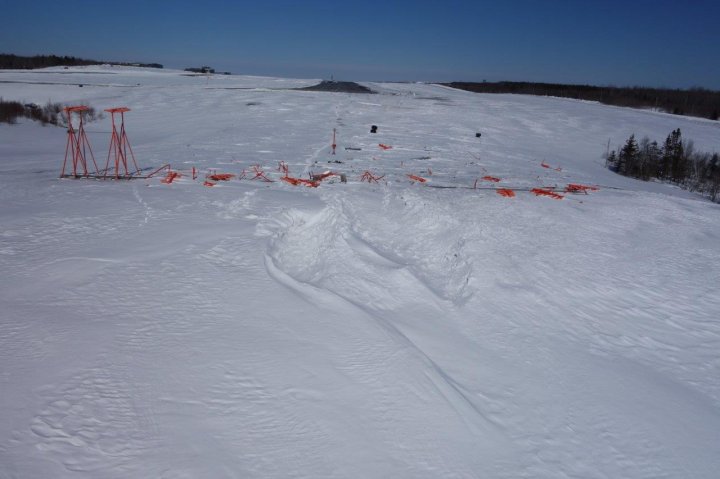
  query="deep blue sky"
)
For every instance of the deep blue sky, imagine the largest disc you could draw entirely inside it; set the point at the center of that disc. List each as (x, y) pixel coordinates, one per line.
(609, 42)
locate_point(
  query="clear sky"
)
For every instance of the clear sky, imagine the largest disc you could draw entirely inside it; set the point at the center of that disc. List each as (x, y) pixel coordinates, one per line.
(609, 42)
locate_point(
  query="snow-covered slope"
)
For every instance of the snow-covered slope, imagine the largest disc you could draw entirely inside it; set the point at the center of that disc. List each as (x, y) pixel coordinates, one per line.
(259, 329)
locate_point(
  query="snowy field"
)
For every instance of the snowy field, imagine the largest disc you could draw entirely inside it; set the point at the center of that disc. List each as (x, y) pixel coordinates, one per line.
(390, 329)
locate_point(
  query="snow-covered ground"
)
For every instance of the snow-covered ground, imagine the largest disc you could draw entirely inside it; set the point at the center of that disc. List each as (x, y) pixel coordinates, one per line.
(258, 329)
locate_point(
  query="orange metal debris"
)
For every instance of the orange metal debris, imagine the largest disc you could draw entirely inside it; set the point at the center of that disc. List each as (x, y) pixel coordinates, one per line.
(417, 178)
(158, 170)
(300, 181)
(494, 179)
(170, 177)
(370, 178)
(259, 174)
(547, 192)
(576, 188)
(505, 192)
(208, 183)
(385, 147)
(545, 165)
(220, 176)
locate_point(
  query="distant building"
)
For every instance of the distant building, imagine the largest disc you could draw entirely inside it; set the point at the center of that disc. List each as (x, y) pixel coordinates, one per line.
(203, 69)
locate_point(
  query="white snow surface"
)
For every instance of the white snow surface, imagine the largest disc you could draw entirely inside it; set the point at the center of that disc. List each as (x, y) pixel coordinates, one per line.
(257, 329)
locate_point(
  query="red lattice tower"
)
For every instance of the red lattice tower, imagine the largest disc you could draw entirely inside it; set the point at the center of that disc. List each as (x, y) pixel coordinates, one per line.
(119, 147)
(77, 146)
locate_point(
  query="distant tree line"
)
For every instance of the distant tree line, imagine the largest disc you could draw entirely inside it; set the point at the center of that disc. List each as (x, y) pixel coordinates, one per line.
(693, 102)
(675, 161)
(16, 62)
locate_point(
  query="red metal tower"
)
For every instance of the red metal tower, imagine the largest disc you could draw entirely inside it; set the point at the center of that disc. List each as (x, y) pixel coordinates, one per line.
(77, 146)
(119, 148)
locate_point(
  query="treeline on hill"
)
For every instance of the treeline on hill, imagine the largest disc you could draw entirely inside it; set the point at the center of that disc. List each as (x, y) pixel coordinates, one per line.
(675, 161)
(16, 62)
(51, 113)
(693, 102)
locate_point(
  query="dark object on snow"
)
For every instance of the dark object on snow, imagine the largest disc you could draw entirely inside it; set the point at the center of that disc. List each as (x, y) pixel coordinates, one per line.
(478, 135)
(80, 85)
(338, 87)
(373, 129)
(352, 148)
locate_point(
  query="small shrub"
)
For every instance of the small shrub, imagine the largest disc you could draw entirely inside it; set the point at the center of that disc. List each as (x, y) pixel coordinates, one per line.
(10, 111)
(51, 113)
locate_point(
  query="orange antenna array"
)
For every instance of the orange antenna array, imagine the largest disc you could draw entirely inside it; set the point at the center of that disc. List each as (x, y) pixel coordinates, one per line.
(78, 145)
(119, 147)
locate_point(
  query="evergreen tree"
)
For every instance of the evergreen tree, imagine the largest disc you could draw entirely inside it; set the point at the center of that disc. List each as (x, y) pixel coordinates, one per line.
(612, 161)
(628, 157)
(674, 164)
(649, 159)
(712, 179)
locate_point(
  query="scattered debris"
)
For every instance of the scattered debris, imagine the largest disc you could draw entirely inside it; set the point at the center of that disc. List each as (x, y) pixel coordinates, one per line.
(385, 147)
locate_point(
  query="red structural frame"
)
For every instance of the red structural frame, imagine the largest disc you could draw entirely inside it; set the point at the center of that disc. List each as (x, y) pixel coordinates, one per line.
(78, 146)
(119, 148)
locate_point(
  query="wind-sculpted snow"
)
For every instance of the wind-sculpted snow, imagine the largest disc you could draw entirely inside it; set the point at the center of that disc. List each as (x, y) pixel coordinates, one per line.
(389, 329)
(332, 251)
